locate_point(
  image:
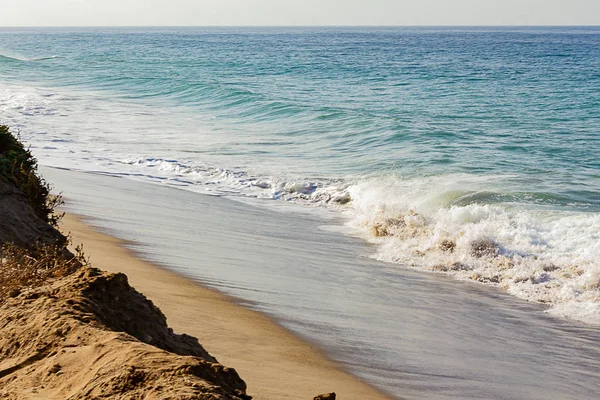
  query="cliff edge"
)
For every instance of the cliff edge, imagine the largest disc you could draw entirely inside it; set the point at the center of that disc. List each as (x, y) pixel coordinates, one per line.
(70, 331)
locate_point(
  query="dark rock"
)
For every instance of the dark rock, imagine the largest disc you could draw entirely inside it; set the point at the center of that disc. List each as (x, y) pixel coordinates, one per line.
(55, 369)
(328, 396)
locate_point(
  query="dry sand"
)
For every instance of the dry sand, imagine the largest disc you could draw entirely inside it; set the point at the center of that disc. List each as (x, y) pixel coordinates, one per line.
(274, 363)
(89, 335)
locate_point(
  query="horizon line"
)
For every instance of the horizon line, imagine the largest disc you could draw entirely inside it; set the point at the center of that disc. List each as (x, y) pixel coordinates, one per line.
(312, 26)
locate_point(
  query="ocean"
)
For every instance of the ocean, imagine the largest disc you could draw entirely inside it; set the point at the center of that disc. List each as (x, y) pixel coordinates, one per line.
(463, 153)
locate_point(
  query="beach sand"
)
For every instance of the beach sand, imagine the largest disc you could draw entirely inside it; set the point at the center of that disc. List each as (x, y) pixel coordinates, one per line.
(274, 363)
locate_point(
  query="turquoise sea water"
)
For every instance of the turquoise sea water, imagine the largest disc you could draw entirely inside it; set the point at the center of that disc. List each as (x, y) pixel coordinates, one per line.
(473, 152)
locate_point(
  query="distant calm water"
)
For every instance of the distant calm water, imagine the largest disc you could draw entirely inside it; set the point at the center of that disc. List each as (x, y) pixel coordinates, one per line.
(473, 152)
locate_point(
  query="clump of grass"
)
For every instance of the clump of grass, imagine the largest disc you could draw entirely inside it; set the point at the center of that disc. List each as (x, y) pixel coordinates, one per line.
(22, 269)
(18, 165)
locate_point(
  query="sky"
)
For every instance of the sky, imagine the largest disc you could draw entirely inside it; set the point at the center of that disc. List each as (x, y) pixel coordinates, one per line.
(297, 12)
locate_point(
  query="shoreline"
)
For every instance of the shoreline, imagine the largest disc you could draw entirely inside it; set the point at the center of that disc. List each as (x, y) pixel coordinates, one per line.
(274, 362)
(393, 328)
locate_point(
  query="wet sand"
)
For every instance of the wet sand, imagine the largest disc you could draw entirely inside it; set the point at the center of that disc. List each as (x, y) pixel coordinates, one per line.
(274, 363)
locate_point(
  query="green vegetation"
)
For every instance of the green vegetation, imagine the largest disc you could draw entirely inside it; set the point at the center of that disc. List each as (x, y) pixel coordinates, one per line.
(18, 165)
(22, 268)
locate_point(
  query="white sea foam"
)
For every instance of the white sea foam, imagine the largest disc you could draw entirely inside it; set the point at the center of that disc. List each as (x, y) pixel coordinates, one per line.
(26, 103)
(550, 257)
(227, 181)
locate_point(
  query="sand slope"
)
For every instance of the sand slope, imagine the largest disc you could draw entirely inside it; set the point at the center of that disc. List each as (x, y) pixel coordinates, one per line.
(90, 335)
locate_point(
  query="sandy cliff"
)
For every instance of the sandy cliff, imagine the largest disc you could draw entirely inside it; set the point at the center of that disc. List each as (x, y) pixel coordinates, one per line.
(69, 331)
(19, 223)
(90, 335)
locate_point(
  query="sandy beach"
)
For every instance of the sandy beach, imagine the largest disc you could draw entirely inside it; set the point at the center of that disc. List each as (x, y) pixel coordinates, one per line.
(274, 363)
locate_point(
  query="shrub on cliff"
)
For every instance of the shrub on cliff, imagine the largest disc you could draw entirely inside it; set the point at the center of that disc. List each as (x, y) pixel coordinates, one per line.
(31, 251)
(22, 269)
(19, 166)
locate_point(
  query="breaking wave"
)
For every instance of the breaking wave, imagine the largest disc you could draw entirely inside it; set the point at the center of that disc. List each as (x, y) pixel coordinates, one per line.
(540, 255)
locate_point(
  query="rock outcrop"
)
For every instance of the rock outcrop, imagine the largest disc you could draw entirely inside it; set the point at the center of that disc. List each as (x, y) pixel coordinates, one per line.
(328, 396)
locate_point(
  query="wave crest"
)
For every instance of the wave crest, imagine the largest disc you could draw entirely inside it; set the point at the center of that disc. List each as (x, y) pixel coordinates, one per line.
(25, 59)
(539, 256)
